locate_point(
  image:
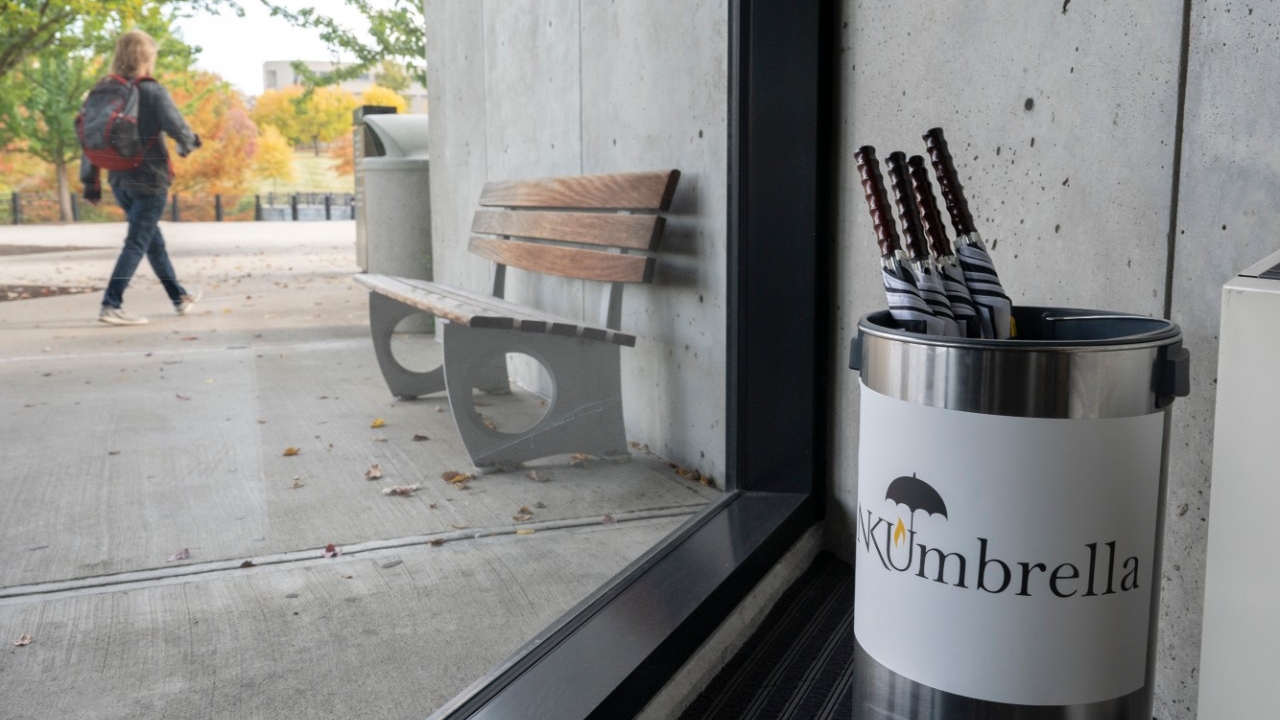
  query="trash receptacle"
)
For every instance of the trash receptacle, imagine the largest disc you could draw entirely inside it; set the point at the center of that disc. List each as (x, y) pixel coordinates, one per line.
(1010, 511)
(393, 214)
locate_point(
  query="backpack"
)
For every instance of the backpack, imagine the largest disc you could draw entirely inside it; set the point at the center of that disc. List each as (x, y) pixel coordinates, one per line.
(108, 124)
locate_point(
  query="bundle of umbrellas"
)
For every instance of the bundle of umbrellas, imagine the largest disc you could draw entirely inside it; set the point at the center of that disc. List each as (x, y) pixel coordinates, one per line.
(933, 287)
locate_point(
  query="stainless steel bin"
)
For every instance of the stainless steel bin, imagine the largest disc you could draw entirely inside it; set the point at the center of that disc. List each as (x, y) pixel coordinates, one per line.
(1010, 510)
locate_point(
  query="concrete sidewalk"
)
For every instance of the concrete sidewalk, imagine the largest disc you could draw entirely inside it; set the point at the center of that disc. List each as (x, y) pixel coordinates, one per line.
(123, 447)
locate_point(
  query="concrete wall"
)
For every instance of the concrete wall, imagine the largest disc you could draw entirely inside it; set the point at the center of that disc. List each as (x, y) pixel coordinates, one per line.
(531, 88)
(1063, 118)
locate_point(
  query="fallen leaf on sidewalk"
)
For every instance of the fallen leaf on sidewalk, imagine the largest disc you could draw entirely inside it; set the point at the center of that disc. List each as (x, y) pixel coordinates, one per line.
(331, 550)
(534, 476)
(420, 438)
(523, 514)
(526, 531)
(607, 519)
(297, 483)
(181, 396)
(189, 337)
(403, 490)
(457, 479)
(374, 472)
(23, 641)
(436, 542)
(377, 423)
(247, 564)
(456, 526)
(183, 554)
(291, 451)
(346, 577)
(577, 460)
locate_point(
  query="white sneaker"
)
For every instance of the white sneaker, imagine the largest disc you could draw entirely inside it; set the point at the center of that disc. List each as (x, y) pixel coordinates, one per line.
(119, 316)
(186, 301)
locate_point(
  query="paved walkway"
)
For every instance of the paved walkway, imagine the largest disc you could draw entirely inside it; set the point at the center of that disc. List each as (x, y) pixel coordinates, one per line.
(164, 550)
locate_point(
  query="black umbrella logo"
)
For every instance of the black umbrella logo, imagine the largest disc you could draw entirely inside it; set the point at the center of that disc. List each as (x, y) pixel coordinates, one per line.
(916, 494)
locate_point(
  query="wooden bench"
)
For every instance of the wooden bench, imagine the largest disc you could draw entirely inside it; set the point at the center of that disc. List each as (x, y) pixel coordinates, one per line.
(603, 228)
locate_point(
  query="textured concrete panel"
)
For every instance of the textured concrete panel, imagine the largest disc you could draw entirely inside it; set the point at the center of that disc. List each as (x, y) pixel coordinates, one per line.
(655, 95)
(1227, 220)
(458, 146)
(1061, 118)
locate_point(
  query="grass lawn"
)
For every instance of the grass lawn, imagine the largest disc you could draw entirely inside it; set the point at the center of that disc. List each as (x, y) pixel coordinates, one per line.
(311, 174)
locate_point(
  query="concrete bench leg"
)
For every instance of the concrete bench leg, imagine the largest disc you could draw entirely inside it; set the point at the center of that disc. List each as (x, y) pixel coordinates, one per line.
(584, 414)
(384, 314)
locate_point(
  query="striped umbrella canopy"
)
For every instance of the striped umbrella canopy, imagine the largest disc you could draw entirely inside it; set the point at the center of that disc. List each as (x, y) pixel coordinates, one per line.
(905, 304)
(928, 279)
(979, 270)
(972, 323)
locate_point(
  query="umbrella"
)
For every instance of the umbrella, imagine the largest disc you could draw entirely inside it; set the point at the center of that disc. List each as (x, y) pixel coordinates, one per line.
(975, 261)
(905, 304)
(927, 277)
(944, 258)
(916, 494)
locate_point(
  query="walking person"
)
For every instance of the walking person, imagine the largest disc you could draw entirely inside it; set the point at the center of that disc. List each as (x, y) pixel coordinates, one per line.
(143, 192)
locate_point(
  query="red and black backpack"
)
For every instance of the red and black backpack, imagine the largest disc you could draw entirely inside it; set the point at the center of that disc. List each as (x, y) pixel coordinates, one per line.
(108, 124)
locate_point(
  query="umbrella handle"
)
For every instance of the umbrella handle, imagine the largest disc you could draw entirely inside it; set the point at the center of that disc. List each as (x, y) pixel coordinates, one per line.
(877, 200)
(905, 200)
(949, 181)
(930, 216)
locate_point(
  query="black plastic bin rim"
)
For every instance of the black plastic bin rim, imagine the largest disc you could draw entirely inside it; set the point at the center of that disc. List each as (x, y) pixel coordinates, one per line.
(1089, 329)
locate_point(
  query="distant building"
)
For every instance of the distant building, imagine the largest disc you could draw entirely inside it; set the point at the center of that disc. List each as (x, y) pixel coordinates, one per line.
(279, 74)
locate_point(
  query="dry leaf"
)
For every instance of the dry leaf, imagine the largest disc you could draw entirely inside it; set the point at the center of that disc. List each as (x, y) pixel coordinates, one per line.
(457, 479)
(181, 396)
(374, 472)
(489, 422)
(456, 526)
(403, 490)
(297, 483)
(534, 476)
(578, 460)
(331, 550)
(182, 554)
(113, 452)
(522, 517)
(439, 409)
(189, 337)
(247, 564)
(420, 438)
(526, 531)
(431, 506)
(607, 520)
(437, 542)
(347, 577)
(291, 451)
(23, 641)
(377, 423)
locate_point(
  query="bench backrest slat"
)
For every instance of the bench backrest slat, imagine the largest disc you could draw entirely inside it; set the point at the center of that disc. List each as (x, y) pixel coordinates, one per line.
(623, 191)
(565, 261)
(634, 232)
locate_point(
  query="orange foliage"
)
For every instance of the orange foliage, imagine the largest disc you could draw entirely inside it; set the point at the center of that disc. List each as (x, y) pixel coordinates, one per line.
(224, 162)
(342, 152)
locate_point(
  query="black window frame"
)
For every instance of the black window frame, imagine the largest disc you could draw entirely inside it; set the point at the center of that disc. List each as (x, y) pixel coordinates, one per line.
(609, 655)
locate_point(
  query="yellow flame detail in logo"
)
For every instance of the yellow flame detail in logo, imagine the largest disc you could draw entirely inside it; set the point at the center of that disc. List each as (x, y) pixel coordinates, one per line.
(899, 533)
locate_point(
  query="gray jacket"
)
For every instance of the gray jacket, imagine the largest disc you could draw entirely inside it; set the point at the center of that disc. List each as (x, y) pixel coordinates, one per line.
(156, 114)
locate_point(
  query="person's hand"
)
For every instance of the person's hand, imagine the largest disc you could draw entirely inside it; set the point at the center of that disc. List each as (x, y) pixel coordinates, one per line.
(93, 194)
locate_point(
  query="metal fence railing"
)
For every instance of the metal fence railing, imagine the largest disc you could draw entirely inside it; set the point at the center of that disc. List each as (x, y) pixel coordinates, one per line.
(33, 208)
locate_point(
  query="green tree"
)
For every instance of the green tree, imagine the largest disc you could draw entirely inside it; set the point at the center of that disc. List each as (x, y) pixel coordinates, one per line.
(393, 76)
(38, 106)
(396, 33)
(28, 27)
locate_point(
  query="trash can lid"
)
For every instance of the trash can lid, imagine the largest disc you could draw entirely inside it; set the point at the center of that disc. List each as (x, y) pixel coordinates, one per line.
(403, 138)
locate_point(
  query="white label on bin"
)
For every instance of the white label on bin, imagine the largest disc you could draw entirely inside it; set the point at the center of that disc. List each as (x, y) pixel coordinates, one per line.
(1006, 559)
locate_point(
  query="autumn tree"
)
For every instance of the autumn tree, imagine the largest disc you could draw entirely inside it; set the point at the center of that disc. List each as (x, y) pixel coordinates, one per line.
(273, 158)
(279, 109)
(392, 75)
(379, 95)
(343, 153)
(325, 115)
(224, 163)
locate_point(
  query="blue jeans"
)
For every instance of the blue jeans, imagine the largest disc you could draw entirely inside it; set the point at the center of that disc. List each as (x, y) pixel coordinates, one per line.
(143, 239)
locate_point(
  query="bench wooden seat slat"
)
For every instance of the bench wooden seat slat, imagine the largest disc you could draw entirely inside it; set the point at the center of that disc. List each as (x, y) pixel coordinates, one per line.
(485, 311)
(564, 261)
(634, 232)
(622, 191)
